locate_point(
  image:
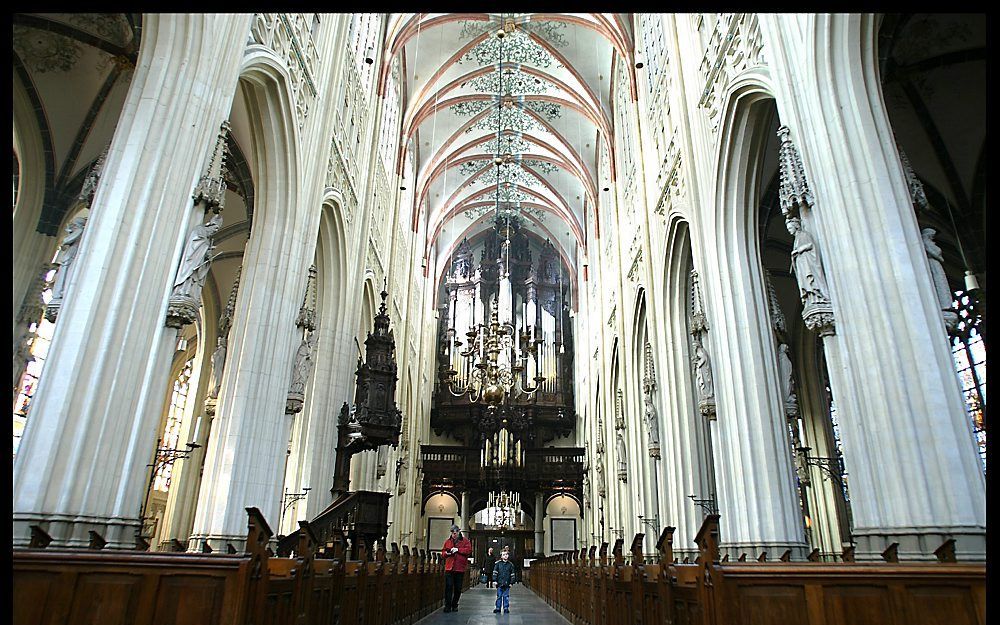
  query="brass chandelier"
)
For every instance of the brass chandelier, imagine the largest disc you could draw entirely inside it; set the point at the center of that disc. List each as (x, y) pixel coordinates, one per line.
(494, 380)
(503, 509)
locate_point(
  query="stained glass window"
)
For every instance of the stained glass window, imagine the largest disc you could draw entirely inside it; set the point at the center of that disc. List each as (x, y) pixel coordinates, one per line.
(172, 430)
(39, 338)
(652, 38)
(657, 80)
(969, 352)
(364, 38)
(390, 119)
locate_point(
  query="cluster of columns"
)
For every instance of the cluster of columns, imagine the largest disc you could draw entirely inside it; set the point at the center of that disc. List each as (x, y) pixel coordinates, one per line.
(915, 476)
(83, 464)
(89, 420)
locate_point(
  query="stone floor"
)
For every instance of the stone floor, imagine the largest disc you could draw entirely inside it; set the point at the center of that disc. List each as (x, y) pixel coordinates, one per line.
(476, 608)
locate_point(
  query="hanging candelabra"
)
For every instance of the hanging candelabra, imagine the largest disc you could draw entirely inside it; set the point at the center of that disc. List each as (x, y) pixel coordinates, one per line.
(503, 509)
(494, 380)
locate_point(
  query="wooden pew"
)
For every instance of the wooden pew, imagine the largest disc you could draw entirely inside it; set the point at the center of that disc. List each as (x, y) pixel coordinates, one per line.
(758, 591)
(316, 586)
(110, 588)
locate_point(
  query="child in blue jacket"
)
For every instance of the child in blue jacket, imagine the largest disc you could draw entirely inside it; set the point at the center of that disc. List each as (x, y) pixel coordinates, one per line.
(503, 575)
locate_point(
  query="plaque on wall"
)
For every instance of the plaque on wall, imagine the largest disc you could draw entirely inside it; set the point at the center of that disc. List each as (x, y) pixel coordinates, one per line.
(438, 531)
(563, 535)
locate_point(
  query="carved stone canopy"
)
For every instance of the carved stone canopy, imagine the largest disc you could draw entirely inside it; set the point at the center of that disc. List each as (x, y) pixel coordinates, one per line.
(793, 188)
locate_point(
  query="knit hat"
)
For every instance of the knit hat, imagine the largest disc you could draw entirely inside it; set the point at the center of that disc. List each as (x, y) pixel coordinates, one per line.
(456, 528)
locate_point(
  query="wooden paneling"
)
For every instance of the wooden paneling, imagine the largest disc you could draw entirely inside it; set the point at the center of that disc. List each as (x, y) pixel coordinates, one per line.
(36, 593)
(106, 599)
(939, 605)
(84, 587)
(861, 605)
(184, 599)
(590, 590)
(767, 605)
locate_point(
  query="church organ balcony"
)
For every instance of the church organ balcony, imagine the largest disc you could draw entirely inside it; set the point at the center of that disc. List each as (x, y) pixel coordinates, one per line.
(504, 322)
(464, 468)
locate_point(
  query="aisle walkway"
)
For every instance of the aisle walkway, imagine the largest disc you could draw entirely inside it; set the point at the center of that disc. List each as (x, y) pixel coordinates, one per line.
(476, 608)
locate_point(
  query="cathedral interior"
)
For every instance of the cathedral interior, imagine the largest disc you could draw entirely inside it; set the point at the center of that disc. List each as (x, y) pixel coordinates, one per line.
(566, 280)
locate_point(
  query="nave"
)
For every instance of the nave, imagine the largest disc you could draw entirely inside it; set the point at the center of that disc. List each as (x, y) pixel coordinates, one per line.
(476, 608)
(295, 293)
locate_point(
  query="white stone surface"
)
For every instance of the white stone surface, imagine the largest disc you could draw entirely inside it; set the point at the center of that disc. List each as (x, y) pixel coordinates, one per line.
(689, 198)
(80, 464)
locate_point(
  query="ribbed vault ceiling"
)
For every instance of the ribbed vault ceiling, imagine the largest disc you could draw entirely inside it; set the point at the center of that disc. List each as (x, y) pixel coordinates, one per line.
(90, 55)
(553, 117)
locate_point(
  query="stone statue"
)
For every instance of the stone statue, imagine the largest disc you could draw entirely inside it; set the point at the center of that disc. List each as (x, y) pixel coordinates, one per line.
(622, 458)
(68, 250)
(703, 372)
(601, 487)
(806, 264)
(400, 463)
(303, 365)
(941, 289)
(787, 381)
(652, 424)
(196, 259)
(218, 362)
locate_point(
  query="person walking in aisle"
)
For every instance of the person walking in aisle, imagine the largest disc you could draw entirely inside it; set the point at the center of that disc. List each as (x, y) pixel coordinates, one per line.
(503, 575)
(456, 552)
(488, 567)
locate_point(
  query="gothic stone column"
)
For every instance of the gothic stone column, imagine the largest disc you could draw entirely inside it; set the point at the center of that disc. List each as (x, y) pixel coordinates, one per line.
(82, 463)
(908, 447)
(245, 458)
(463, 514)
(755, 479)
(539, 527)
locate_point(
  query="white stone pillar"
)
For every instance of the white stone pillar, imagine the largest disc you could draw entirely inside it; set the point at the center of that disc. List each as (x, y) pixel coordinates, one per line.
(331, 387)
(178, 514)
(683, 465)
(915, 476)
(463, 514)
(686, 465)
(245, 459)
(756, 493)
(82, 463)
(539, 521)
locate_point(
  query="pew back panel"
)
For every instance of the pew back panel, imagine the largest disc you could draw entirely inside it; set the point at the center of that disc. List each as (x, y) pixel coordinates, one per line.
(56, 587)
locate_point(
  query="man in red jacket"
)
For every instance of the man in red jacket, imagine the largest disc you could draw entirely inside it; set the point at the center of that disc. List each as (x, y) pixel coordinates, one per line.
(456, 552)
